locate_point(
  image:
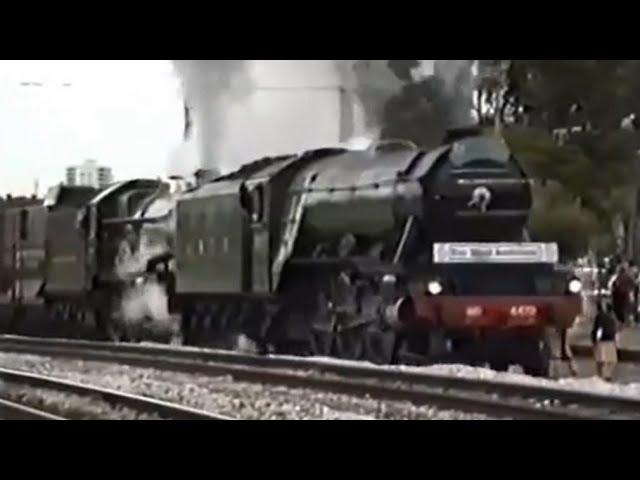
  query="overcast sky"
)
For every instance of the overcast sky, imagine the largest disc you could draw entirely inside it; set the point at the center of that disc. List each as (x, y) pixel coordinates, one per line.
(126, 114)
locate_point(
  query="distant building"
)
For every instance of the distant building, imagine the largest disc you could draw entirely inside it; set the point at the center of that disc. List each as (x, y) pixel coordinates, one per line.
(89, 174)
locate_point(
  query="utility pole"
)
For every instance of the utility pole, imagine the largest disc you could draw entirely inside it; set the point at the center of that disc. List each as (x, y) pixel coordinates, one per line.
(188, 122)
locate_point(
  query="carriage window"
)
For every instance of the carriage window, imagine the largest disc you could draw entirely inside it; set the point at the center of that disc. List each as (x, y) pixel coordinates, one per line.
(24, 224)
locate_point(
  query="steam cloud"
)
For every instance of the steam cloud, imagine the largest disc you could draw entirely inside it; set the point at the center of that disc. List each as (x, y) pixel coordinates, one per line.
(372, 83)
(210, 87)
(459, 85)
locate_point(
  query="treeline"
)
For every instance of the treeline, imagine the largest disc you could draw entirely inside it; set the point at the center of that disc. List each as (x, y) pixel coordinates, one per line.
(572, 123)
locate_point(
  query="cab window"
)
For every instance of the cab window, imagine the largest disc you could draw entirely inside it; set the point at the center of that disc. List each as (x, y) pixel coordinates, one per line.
(257, 204)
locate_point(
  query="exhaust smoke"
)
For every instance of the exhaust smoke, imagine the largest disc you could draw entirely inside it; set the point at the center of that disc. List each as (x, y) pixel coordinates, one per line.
(457, 76)
(371, 83)
(210, 87)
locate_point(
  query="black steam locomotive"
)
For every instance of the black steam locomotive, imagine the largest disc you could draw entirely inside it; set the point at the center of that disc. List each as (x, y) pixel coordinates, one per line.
(374, 254)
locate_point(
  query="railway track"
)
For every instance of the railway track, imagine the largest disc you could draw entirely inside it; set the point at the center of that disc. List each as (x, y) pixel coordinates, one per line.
(10, 409)
(624, 355)
(494, 398)
(15, 411)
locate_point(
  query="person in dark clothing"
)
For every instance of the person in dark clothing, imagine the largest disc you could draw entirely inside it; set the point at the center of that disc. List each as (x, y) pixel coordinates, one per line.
(634, 272)
(566, 355)
(622, 287)
(603, 336)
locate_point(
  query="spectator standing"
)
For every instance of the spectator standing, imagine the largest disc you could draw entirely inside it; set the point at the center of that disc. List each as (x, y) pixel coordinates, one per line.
(635, 272)
(603, 336)
(622, 288)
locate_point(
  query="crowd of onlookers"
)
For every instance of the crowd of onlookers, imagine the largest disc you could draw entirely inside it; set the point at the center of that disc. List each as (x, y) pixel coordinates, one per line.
(617, 297)
(622, 281)
(612, 301)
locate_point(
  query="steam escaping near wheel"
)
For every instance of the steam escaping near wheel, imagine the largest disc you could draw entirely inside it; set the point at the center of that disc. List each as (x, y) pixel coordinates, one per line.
(144, 303)
(245, 345)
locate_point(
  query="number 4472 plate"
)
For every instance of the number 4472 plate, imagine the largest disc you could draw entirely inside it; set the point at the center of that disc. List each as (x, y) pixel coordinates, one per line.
(523, 311)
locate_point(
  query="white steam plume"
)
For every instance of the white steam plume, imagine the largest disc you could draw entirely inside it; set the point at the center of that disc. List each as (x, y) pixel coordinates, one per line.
(245, 109)
(372, 83)
(210, 88)
(184, 160)
(361, 142)
(458, 79)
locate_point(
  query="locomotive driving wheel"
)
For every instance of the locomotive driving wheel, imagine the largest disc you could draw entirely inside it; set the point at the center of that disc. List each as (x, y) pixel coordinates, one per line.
(322, 330)
(537, 358)
(380, 347)
(322, 342)
(350, 343)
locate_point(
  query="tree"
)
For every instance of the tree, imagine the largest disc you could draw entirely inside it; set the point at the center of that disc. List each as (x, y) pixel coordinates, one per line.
(572, 111)
(561, 118)
(418, 113)
(422, 110)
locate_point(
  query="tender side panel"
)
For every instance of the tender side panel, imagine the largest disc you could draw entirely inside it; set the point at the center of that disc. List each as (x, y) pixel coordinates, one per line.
(30, 253)
(8, 230)
(65, 271)
(210, 244)
(5, 270)
(22, 255)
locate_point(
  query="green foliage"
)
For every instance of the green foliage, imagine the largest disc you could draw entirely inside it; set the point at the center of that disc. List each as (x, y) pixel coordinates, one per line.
(595, 167)
(568, 225)
(557, 217)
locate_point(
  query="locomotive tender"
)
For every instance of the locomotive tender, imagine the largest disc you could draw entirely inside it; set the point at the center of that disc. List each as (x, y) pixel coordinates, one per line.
(374, 254)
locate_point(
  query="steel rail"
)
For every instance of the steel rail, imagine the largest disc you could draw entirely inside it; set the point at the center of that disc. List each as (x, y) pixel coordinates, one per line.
(114, 397)
(15, 411)
(493, 397)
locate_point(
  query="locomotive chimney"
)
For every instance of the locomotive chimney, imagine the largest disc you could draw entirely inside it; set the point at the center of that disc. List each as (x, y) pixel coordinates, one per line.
(205, 175)
(458, 133)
